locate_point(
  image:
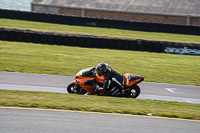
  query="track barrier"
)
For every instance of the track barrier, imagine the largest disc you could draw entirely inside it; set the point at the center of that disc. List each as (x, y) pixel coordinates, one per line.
(97, 22)
(99, 42)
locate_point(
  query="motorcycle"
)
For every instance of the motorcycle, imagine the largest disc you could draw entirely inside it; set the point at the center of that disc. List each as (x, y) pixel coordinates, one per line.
(86, 78)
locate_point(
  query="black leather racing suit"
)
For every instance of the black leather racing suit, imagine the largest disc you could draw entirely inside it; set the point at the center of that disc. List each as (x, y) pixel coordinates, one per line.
(115, 80)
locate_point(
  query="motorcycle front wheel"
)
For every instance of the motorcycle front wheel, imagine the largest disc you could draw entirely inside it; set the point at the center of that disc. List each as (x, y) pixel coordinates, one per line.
(72, 88)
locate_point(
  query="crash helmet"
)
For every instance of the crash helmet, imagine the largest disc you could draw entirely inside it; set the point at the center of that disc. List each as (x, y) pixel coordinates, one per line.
(101, 68)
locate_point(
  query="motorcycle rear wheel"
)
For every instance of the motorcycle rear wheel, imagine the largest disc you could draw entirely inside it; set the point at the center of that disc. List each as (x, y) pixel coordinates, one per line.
(133, 91)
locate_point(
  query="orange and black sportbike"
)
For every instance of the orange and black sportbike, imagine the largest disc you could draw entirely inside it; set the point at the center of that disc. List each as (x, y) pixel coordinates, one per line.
(86, 78)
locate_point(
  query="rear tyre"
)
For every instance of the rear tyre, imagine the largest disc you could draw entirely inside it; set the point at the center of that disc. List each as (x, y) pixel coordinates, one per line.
(133, 91)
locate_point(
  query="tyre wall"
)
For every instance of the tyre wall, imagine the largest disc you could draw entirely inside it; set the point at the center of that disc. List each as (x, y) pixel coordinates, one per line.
(95, 22)
(99, 42)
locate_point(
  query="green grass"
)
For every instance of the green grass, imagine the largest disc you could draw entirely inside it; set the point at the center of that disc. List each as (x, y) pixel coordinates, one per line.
(67, 29)
(99, 104)
(65, 60)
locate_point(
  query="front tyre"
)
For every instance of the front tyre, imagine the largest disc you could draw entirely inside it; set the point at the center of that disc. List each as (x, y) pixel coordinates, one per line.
(72, 88)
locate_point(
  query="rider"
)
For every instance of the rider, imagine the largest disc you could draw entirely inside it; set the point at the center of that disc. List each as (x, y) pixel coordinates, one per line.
(113, 81)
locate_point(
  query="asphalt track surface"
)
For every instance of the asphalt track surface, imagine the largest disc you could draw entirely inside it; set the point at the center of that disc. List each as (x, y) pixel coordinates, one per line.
(20, 120)
(57, 83)
(23, 120)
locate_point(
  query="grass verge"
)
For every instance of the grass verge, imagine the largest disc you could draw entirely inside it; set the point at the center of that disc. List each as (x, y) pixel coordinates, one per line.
(65, 60)
(99, 104)
(105, 32)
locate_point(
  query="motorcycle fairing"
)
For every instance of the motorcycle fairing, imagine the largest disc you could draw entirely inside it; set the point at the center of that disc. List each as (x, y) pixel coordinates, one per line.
(132, 79)
(88, 72)
(99, 79)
